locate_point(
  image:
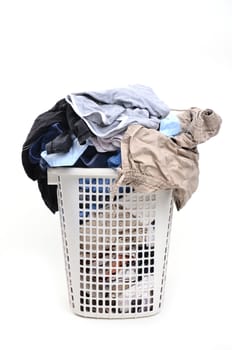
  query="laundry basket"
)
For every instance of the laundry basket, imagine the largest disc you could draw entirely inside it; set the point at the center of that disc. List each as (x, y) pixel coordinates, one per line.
(115, 244)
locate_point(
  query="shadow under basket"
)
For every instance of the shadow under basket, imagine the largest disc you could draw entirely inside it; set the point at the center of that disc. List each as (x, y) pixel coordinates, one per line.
(115, 244)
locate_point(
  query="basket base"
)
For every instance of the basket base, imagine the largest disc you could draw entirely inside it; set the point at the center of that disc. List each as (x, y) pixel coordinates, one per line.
(116, 316)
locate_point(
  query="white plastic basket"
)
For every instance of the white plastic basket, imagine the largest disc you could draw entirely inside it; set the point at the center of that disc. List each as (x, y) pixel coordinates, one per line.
(115, 246)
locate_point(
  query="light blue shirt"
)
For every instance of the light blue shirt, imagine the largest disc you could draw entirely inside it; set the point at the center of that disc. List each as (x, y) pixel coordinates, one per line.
(65, 159)
(170, 126)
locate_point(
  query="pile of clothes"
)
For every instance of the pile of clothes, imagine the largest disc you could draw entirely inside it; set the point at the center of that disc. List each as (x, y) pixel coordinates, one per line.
(130, 129)
(152, 147)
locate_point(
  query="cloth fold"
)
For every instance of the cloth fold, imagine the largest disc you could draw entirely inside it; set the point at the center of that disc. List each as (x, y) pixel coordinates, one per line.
(108, 113)
(152, 161)
(158, 147)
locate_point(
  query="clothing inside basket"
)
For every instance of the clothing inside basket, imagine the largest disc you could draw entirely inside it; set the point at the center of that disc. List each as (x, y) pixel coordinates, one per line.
(117, 256)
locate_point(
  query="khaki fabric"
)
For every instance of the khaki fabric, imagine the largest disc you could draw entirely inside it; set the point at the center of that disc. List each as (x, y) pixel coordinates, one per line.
(152, 161)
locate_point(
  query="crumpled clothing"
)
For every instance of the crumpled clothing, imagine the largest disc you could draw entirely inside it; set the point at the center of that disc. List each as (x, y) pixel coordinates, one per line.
(152, 161)
(93, 159)
(35, 149)
(109, 112)
(60, 115)
(106, 144)
(65, 159)
(198, 126)
(170, 126)
(77, 125)
(61, 144)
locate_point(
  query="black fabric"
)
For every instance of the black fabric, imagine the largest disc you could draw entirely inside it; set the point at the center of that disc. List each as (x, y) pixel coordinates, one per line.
(49, 194)
(56, 114)
(39, 127)
(77, 125)
(62, 143)
(70, 122)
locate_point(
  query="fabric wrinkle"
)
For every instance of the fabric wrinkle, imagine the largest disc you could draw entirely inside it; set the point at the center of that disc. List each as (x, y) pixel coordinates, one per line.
(151, 160)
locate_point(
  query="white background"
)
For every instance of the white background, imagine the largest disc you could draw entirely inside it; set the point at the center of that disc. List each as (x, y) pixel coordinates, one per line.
(183, 50)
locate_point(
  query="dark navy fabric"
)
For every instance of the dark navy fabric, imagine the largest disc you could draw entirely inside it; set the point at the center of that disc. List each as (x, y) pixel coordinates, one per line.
(52, 131)
(91, 158)
(115, 160)
(61, 144)
(36, 170)
(39, 145)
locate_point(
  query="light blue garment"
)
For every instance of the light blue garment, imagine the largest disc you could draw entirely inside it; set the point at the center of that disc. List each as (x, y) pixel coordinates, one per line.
(65, 159)
(109, 113)
(170, 126)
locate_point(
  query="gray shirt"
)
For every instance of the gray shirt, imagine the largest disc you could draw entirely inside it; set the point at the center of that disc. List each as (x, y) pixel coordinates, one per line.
(109, 113)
